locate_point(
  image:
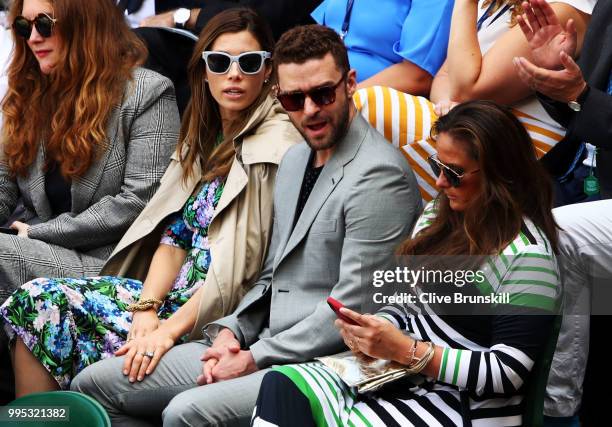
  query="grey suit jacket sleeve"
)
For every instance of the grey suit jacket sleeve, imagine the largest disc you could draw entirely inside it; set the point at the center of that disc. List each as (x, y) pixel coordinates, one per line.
(150, 116)
(254, 318)
(379, 214)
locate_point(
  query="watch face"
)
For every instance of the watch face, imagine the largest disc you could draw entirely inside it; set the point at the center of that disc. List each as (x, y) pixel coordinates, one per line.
(181, 16)
(574, 105)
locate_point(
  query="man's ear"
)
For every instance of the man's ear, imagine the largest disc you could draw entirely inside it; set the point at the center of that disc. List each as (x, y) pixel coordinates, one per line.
(351, 82)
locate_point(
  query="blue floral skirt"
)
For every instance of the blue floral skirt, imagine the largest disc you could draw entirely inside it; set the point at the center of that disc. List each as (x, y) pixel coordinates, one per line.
(68, 324)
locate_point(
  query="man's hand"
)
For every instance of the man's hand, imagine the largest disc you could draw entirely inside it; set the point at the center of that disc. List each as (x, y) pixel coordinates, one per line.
(563, 86)
(165, 19)
(553, 71)
(234, 365)
(21, 227)
(225, 344)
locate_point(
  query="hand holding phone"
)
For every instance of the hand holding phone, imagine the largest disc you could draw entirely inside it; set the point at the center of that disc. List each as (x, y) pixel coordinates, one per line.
(7, 230)
(336, 306)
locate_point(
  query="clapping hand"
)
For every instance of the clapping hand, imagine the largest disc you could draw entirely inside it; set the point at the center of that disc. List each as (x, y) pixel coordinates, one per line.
(554, 72)
(545, 35)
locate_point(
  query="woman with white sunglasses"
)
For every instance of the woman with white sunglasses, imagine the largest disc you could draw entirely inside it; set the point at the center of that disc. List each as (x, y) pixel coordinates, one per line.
(213, 213)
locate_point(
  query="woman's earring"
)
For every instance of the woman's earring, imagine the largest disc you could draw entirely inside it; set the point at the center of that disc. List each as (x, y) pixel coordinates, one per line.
(205, 79)
(266, 81)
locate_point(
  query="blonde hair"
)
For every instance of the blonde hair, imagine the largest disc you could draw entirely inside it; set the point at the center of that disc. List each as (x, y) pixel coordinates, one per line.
(69, 108)
(516, 8)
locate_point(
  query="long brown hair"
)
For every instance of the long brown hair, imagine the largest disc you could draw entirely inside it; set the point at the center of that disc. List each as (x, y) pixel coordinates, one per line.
(201, 122)
(516, 8)
(69, 108)
(514, 185)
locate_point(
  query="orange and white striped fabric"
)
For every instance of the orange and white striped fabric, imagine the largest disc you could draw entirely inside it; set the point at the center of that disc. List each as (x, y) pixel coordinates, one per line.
(406, 120)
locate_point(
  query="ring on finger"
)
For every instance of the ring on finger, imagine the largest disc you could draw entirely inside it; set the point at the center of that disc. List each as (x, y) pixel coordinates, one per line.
(149, 354)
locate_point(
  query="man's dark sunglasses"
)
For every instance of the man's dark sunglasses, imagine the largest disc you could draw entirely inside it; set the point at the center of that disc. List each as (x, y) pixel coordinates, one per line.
(294, 101)
(44, 25)
(454, 175)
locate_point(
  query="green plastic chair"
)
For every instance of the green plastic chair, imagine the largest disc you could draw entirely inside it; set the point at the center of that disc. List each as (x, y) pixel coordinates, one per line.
(83, 411)
(533, 412)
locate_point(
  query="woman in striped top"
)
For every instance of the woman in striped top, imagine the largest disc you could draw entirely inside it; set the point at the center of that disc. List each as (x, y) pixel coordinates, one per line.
(495, 207)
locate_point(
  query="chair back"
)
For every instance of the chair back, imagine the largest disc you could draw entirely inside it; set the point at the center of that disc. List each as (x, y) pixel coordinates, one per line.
(535, 389)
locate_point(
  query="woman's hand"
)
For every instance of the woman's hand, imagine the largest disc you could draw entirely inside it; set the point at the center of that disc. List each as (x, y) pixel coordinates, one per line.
(143, 354)
(21, 227)
(143, 323)
(373, 336)
(443, 107)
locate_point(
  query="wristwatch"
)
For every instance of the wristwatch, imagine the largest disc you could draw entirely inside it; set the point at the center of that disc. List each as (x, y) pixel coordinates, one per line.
(576, 105)
(181, 16)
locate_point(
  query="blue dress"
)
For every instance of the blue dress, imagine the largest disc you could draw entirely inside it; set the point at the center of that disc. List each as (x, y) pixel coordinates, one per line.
(385, 32)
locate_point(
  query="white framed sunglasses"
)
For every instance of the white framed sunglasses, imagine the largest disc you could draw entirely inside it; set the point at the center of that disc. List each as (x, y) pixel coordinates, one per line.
(248, 62)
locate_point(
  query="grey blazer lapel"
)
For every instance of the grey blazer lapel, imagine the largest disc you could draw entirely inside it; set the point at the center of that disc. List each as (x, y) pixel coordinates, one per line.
(290, 187)
(331, 175)
(84, 187)
(36, 182)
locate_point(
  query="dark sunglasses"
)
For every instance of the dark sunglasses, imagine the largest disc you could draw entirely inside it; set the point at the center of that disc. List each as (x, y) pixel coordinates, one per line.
(248, 62)
(454, 175)
(294, 101)
(44, 25)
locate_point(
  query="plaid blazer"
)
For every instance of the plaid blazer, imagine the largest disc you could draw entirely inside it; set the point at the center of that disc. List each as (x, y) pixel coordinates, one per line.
(142, 133)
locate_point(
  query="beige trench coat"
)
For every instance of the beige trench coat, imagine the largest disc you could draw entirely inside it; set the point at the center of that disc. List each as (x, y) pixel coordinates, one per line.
(241, 226)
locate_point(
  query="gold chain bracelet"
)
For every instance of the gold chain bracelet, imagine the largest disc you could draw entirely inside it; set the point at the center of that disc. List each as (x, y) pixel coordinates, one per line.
(144, 305)
(423, 361)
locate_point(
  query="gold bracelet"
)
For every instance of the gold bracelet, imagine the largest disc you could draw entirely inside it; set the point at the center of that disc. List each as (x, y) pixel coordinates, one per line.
(423, 361)
(144, 305)
(412, 353)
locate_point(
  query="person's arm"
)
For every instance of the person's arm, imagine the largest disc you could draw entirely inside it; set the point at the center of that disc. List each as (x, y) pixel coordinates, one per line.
(440, 86)
(166, 19)
(9, 191)
(498, 370)
(474, 76)
(159, 341)
(519, 330)
(558, 79)
(404, 76)
(151, 125)
(373, 231)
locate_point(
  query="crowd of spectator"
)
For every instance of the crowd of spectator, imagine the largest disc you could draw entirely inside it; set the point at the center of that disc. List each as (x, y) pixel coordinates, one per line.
(178, 199)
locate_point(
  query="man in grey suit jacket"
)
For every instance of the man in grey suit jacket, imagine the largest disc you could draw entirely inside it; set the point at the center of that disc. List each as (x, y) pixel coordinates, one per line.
(344, 200)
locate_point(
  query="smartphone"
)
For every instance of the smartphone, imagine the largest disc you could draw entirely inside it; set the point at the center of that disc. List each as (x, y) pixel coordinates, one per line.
(336, 306)
(7, 230)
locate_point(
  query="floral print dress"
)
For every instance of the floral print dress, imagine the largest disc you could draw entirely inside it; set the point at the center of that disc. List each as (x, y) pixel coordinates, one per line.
(69, 324)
